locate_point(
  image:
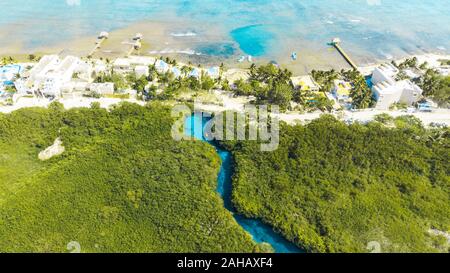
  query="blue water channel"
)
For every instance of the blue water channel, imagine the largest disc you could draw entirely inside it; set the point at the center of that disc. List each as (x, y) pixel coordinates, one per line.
(261, 232)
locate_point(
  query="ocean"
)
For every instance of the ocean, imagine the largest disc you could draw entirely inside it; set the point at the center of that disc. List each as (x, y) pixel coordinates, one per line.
(369, 29)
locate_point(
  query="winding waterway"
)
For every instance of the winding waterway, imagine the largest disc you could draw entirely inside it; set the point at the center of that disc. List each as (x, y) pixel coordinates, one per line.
(194, 126)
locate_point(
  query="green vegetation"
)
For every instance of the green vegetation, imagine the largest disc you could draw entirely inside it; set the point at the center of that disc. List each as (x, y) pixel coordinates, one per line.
(272, 85)
(120, 82)
(269, 84)
(122, 185)
(331, 187)
(325, 79)
(360, 94)
(7, 60)
(398, 106)
(408, 63)
(436, 87)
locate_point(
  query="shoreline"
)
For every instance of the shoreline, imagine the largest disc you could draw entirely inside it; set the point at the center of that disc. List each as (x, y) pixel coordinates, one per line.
(160, 40)
(431, 58)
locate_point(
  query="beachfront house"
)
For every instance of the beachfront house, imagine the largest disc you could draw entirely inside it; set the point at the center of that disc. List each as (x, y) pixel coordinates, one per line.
(142, 70)
(176, 72)
(38, 72)
(133, 64)
(384, 73)
(444, 70)
(66, 68)
(141, 60)
(21, 88)
(341, 91)
(84, 71)
(8, 73)
(234, 74)
(99, 67)
(305, 83)
(195, 73)
(412, 73)
(51, 74)
(386, 94)
(51, 87)
(106, 88)
(122, 65)
(161, 66)
(213, 72)
(388, 91)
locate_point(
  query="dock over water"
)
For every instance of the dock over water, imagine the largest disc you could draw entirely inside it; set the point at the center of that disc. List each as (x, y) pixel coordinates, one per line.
(336, 43)
(100, 39)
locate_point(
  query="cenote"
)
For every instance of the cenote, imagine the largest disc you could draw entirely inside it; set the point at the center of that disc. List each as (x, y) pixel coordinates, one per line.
(261, 232)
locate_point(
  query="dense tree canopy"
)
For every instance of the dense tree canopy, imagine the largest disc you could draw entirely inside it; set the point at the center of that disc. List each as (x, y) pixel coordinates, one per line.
(361, 95)
(331, 187)
(436, 87)
(122, 185)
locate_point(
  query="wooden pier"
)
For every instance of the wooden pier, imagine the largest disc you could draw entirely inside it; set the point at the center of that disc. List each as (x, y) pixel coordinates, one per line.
(336, 43)
(100, 39)
(136, 45)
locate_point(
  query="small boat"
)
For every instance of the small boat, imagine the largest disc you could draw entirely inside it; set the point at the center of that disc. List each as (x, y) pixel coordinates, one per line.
(241, 59)
(250, 59)
(294, 56)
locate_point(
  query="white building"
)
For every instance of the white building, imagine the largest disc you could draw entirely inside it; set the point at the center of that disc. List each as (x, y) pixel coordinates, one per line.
(8, 72)
(388, 91)
(129, 64)
(51, 87)
(141, 70)
(122, 65)
(176, 72)
(404, 91)
(51, 74)
(84, 71)
(99, 66)
(213, 72)
(106, 88)
(161, 66)
(341, 91)
(141, 60)
(195, 73)
(384, 73)
(41, 68)
(21, 88)
(444, 70)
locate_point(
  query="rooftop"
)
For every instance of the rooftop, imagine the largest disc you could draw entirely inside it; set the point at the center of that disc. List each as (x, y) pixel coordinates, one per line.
(306, 82)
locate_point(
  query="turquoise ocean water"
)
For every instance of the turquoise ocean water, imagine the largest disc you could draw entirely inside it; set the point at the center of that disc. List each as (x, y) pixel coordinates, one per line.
(379, 28)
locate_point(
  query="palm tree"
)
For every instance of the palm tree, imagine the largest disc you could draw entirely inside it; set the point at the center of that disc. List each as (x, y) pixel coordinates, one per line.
(253, 69)
(186, 70)
(164, 78)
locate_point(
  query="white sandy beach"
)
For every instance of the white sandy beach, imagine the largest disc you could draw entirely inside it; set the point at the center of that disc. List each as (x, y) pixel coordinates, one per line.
(433, 61)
